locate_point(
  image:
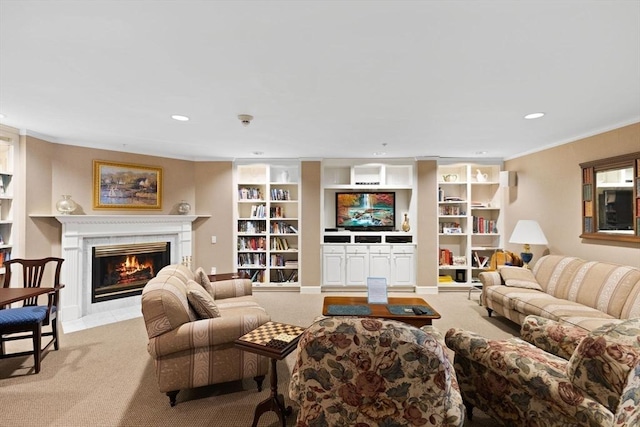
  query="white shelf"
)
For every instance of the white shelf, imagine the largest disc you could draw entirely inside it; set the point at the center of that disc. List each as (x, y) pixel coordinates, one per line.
(277, 186)
(477, 187)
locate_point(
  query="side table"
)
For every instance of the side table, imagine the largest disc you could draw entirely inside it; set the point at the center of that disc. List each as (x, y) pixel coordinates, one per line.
(275, 341)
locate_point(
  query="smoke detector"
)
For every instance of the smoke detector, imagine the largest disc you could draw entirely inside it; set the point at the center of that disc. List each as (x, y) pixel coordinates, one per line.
(245, 119)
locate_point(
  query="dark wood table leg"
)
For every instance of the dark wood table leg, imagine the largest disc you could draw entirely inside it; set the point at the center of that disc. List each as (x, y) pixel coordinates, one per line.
(275, 402)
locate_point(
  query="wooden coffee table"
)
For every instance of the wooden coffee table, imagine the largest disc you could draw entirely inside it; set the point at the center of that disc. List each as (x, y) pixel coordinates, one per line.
(394, 310)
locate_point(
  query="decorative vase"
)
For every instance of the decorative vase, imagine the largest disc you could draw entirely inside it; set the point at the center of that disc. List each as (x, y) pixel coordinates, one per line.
(65, 205)
(184, 207)
(405, 223)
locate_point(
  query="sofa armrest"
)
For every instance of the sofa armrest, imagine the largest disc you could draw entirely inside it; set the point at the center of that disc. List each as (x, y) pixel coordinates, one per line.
(490, 278)
(522, 369)
(205, 333)
(551, 336)
(232, 288)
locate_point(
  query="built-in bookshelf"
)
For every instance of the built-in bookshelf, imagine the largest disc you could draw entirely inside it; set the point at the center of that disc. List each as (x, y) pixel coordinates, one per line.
(8, 228)
(470, 222)
(268, 223)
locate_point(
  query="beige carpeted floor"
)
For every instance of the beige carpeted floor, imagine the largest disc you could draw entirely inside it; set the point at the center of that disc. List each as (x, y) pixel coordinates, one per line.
(103, 376)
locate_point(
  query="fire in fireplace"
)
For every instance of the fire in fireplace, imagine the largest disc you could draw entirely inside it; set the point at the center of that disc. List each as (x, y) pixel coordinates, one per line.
(120, 271)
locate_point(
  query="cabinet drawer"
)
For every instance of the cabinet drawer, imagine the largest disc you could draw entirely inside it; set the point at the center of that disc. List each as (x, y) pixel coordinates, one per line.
(403, 249)
(379, 250)
(332, 249)
(355, 249)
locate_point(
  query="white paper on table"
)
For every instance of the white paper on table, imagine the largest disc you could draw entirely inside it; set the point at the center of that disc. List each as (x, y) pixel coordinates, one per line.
(377, 290)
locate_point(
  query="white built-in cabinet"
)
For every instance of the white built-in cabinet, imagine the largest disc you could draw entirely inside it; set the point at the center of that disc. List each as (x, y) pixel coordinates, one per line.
(470, 221)
(268, 223)
(350, 257)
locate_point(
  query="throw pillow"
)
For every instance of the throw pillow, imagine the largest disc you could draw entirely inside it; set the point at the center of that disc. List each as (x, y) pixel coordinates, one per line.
(603, 363)
(519, 277)
(201, 301)
(203, 280)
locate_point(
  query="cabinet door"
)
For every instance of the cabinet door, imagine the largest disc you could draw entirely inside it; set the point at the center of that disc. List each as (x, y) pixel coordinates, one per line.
(380, 263)
(357, 267)
(333, 267)
(402, 267)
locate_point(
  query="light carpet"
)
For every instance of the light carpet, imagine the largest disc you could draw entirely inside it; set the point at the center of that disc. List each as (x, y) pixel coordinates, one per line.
(104, 376)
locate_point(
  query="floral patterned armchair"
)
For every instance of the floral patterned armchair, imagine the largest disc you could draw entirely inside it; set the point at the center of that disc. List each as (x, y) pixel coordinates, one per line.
(594, 380)
(372, 372)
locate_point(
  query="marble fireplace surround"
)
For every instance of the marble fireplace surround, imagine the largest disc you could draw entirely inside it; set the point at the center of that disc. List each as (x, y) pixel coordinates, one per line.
(80, 233)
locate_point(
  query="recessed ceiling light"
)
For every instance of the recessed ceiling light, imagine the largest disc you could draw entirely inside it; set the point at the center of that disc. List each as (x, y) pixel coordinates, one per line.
(180, 118)
(379, 153)
(481, 153)
(533, 116)
(257, 153)
(2, 116)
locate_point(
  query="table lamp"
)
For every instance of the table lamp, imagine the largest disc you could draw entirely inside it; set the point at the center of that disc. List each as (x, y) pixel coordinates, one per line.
(527, 232)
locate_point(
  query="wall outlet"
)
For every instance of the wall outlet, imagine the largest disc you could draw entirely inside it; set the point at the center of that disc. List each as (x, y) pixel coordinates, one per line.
(214, 240)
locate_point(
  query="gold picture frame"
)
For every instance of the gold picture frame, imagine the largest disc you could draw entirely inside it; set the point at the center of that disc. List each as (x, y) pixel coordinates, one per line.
(126, 186)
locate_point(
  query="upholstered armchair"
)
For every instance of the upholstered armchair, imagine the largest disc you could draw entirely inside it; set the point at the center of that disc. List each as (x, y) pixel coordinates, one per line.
(192, 324)
(363, 371)
(520, 384)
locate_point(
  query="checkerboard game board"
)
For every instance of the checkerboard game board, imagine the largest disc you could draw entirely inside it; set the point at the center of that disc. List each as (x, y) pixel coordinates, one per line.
(265, 333)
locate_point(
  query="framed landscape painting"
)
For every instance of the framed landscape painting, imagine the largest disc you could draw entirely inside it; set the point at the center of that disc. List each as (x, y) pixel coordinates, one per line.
(126, 186)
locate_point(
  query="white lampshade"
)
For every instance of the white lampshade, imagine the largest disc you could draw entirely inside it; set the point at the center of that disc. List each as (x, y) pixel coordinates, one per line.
(528, 231)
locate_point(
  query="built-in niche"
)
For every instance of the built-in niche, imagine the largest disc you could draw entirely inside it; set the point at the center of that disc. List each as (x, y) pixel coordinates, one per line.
(611, 198)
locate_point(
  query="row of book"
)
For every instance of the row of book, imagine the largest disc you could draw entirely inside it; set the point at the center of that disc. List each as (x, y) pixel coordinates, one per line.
(280, 194)
(254, 275)
(245, 193)
(276, 212)
(252, 243)
(480, 261)
(280, 261)
(252, 227)
(246, 259)
(281, 227)
(258, 211)
(483, 225)
(284, 276)
(279, 244)
(452, 210)
(5, 255)
(446, 257)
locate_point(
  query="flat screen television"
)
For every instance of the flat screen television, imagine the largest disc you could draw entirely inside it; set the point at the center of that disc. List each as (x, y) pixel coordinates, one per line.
(366, 210)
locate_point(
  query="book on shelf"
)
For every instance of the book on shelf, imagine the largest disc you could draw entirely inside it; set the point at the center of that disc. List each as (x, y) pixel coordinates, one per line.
(480, 261)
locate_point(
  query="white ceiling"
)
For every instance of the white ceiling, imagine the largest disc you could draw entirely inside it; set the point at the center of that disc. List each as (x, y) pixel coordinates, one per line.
(323, 78)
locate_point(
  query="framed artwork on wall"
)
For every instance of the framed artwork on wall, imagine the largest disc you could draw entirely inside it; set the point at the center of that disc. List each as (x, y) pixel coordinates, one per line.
(126, 186)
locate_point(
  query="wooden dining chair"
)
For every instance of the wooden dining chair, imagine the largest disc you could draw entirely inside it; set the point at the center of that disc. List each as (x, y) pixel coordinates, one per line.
(26, 322)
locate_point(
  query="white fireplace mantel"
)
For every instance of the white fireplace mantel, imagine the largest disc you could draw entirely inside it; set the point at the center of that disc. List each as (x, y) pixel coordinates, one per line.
(80, 233)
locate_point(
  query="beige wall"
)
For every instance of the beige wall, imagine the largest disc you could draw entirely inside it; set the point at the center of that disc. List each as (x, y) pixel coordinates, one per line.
(310, 261)
(549, 190)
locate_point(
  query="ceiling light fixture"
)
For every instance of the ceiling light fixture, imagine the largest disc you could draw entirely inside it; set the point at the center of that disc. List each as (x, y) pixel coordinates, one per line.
(245, 119)
(180, 118)
(533, 116)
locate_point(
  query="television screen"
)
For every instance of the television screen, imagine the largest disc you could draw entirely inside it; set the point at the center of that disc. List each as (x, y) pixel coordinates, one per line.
(366, 210)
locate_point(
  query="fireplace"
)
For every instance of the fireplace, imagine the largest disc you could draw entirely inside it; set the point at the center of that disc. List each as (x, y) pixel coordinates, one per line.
(121, 271)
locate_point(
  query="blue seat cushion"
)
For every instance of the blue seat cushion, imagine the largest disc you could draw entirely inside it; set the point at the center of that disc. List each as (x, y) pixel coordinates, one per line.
(22, 315)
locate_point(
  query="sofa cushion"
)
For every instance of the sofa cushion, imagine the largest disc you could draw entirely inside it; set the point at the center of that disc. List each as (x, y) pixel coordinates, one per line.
(201, 301)
(519, 277)
(203, 280)
(164, 301)
(604, 359)
(554, 272)
(603, 286)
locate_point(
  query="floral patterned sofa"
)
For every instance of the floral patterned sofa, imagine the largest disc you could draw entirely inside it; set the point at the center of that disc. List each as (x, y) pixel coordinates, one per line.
(363, 372)
(593, 379)
(587, 294)
(192, 324)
